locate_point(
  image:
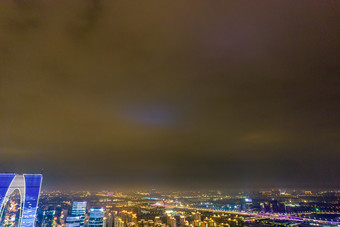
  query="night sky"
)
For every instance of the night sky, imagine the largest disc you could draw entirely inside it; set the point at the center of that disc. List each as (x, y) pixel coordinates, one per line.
(197, 94)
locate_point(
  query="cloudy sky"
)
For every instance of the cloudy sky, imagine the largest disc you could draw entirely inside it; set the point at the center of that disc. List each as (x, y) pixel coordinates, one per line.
(177, 93)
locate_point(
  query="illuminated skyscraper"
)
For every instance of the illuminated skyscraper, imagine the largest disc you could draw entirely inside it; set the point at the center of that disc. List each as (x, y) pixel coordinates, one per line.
(72, 222)
(29, 187)
(96, 217)
(79, 210)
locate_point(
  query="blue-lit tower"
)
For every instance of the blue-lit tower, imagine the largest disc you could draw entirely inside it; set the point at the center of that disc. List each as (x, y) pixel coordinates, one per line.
(29, 189)
(96, 217)
(79, 210)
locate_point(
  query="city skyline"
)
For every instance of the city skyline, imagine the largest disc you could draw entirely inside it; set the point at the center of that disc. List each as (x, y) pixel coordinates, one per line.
(190, 208)
(167, 94)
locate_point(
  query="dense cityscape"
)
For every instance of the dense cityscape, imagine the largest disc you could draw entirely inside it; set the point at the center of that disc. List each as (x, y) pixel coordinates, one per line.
(199, 209)
(154, 208)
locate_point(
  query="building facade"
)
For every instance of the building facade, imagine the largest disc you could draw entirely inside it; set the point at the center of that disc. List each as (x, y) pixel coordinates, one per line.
(29, 186)
(79, 210)
(96, 217)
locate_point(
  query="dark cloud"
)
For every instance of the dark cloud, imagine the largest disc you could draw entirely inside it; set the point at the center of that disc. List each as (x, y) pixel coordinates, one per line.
(221, 94)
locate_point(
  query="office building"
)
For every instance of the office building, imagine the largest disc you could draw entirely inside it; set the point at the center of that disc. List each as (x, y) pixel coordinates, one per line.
(79, 210)
(96, 217)
(29, 187)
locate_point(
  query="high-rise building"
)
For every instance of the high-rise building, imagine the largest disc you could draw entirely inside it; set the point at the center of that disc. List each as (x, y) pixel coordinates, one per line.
(109, 221)
(172, 222)
(118, 222)
(96, 217)
(48, 216)
(79, 210)
(145, 223)
(168, 219)
(129, 218)
(282, 208)
(58, 213)
(197, 223)
(29, 187)
(72, 222)
(274, 207)
(196, 216)
(182, 221)
(158, 220)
